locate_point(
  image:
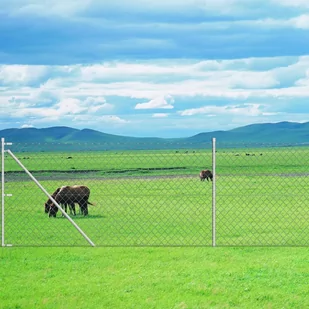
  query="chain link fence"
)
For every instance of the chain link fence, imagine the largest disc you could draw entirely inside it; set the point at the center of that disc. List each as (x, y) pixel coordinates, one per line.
(262, 195)
(155, 197)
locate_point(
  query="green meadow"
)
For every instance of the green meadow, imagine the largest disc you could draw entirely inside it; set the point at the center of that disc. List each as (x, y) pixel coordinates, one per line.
(153, 278)
(155, 198)
(147, 200)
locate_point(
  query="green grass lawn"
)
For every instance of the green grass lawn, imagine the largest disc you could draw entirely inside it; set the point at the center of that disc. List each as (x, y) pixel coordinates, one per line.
(153, 278)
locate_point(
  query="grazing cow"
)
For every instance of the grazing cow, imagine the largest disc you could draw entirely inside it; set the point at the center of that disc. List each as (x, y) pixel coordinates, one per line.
(63, 203)
(206, 174)
(71, 195)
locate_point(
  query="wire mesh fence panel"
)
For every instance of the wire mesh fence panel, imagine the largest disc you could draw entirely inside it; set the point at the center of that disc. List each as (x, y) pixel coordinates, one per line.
(140, 197)
(155, 197)
(262, 195)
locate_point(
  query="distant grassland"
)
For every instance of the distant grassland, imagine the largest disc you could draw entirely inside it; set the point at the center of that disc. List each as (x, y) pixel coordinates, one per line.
(261, 197)
(236, 161)
(110, 160)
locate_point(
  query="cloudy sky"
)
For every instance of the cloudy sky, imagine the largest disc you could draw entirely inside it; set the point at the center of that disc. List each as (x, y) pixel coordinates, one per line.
(167, 68)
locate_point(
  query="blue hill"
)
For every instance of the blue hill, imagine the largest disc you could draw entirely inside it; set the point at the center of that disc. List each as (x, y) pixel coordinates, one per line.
(282, 132)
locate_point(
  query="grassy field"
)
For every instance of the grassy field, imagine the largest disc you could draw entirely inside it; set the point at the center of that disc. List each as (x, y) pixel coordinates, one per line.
(156, 199)
(153, 278)
(158, 211)
(236, 161)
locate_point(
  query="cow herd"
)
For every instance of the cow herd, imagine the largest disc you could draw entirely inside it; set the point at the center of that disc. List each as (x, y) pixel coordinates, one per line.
(68, 196)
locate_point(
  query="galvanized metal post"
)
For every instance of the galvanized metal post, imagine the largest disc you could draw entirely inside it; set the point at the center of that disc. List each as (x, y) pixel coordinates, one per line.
(214, 192)
(2, 192)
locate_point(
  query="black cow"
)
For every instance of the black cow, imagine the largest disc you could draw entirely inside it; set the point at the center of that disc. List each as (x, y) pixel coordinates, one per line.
(206, 174)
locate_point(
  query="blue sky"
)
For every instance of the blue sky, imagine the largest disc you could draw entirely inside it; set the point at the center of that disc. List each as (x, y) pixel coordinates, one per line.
(169, 68)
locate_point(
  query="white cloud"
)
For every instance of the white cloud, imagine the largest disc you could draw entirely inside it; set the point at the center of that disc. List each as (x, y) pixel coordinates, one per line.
(235, 79)
(69, 106)
(164, 102)
(96, 104)
(127, 70)
(49, 113)
(301, 22)
(21, 74)
(174, 77)
(159, 115)
(241, 110)
(113, 119)
(174, 69)
(99, 120)
(85, 98)
(27, 126)
(23, 106)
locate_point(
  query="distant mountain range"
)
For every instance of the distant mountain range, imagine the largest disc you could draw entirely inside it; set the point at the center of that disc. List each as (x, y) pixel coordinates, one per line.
(279, 133)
